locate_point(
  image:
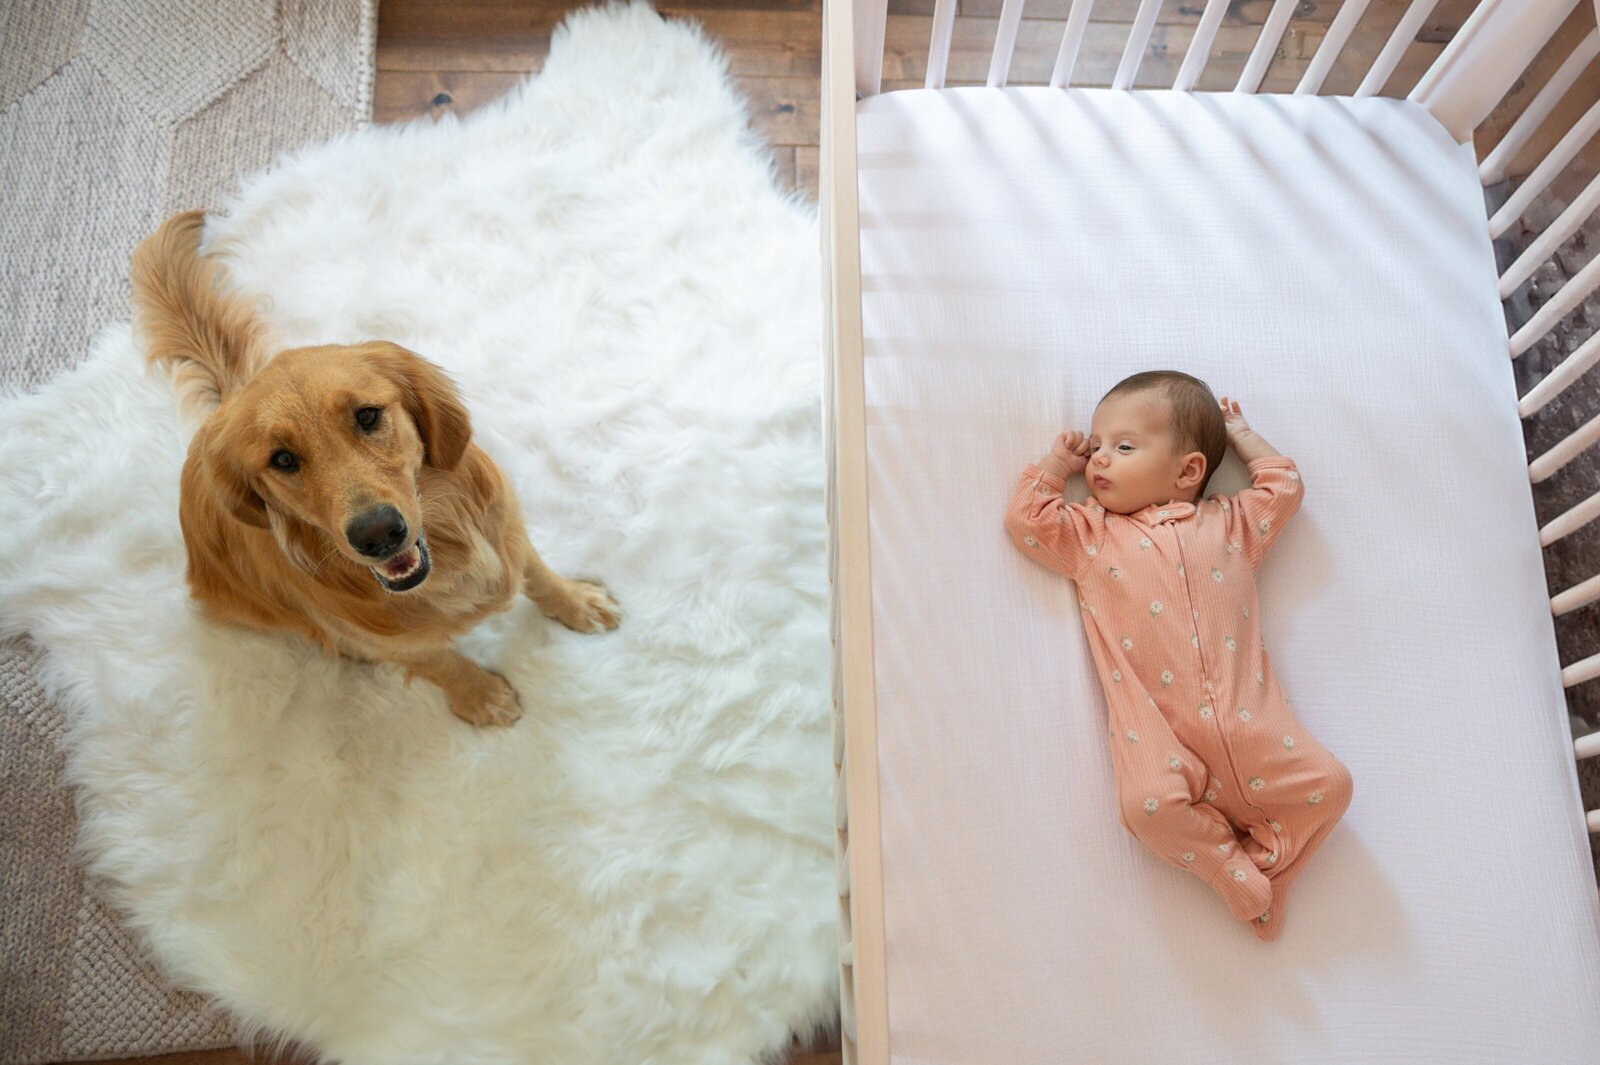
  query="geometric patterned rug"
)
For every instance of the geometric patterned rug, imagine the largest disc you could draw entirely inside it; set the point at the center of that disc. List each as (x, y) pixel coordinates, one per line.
(113, 116)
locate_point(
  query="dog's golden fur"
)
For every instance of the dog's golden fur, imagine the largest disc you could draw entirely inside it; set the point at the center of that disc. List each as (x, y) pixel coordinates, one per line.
(270, 547)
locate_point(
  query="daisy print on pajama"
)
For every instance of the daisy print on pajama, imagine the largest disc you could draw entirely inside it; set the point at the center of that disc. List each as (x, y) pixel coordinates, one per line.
(1222, 780)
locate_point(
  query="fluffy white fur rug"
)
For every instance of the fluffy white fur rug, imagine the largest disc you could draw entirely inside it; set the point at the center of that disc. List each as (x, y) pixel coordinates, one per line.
(640, 870)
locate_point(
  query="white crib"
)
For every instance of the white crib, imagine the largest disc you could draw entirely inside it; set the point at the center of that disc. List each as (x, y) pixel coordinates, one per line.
(996, 257)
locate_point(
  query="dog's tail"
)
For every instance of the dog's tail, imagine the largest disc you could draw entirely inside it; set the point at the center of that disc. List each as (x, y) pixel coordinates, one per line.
(213, 340)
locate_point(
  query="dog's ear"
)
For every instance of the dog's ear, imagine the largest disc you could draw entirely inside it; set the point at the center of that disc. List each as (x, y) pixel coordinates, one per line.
(433, 403)
(215, 470)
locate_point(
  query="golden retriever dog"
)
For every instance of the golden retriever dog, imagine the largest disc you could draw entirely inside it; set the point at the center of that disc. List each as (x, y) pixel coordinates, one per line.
(335, 492)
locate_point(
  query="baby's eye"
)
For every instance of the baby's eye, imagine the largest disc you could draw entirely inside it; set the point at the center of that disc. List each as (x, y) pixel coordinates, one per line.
(1124, 447)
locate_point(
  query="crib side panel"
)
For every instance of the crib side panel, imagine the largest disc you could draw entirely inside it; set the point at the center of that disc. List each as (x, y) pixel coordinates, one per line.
(864, 1013)
(1500, 57)
(1485, 58)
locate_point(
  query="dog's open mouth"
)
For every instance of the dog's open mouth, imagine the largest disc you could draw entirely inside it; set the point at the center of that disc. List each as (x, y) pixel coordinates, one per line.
(404, 570)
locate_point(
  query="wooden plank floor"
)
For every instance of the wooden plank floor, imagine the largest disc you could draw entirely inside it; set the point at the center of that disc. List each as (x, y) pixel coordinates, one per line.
(435, 57)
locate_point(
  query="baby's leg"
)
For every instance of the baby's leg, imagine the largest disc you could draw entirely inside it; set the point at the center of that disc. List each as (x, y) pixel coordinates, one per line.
(1158, 807)
(1301, 799)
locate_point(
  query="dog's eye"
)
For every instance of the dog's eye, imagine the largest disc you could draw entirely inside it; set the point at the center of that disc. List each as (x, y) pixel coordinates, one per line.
(285, 460)
(367, 417)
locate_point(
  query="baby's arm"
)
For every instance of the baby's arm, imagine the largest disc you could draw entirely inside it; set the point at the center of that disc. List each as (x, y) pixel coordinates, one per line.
(1260, 511)
(1054, 533)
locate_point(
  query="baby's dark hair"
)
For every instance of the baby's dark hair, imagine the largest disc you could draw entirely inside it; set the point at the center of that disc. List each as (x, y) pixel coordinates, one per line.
(1196, 415)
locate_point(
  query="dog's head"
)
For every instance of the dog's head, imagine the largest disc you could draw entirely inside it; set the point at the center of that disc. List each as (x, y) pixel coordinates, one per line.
(324, 447)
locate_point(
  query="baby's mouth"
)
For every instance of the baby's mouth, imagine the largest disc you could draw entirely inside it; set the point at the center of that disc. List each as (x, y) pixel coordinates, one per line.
(405, 569)
(1101, 482)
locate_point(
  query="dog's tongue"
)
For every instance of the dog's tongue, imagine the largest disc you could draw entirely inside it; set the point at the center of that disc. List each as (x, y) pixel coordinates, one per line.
(401, 565)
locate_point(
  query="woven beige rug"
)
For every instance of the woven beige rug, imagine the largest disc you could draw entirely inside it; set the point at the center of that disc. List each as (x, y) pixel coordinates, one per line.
(113, 115)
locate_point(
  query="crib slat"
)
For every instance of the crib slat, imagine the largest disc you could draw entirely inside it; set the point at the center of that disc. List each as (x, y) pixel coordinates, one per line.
(1571, 677)
(1405, 32)
(1570, 521)
(1566, 298)
(1266, 46)
(944, 28)
(841, 800)
(1494, 165)
(1005, 42)
(1554, 235)
(1344, 23)
(1144, 23)
(869, 21)
(1205, 34)
(1578, 595)
(1558, 380)
(1551, 165)
(1546, 465)
(842, 872)
(1071, 43)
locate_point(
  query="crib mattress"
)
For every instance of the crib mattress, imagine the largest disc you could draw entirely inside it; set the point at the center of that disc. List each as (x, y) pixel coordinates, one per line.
(1327, 262)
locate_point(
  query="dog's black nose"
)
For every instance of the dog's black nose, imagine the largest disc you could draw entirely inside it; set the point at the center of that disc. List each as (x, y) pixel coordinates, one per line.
(378, 532)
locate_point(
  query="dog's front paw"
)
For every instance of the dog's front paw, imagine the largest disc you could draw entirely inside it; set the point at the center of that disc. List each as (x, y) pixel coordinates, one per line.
(486, 700)
(586, 607)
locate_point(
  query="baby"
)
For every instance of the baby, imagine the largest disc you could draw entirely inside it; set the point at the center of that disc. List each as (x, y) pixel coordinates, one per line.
(1214, 774)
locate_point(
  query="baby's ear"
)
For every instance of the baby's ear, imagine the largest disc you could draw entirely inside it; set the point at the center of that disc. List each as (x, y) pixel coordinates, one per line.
(1193, 470)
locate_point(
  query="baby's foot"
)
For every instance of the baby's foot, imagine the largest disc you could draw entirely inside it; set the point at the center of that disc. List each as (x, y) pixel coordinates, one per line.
(1268, 925)
(1242, 886)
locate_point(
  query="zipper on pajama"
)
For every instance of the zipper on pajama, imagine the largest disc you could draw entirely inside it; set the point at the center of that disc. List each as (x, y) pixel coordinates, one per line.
(1207, 685)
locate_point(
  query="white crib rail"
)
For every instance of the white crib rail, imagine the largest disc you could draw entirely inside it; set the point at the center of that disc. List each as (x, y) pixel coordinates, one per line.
(1072, 42)
(864, 1010)
(1005, 42)
(1459, 92)
(1493, 169)
(1144, 23)
(1469, 78)
(1255, 67)
(1344, 24)
(1494, 164)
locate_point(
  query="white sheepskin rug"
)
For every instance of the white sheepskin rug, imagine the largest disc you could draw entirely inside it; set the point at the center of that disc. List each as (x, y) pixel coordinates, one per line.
(641, 869)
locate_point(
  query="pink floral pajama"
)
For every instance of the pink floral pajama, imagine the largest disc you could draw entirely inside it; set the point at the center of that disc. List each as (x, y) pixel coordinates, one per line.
(1214, 774)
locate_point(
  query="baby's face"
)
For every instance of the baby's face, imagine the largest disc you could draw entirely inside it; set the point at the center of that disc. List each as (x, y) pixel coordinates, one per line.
(1134, 459)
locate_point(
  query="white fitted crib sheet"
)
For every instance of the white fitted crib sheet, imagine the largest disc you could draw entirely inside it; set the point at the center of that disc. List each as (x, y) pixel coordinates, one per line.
(1327, 262)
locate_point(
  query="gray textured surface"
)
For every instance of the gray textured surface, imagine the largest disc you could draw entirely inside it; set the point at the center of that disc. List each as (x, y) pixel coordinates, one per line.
(114, 114)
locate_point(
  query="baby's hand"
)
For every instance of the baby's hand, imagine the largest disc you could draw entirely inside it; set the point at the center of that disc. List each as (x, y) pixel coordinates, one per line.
(1069, 455)
(1232, 418)
(1245, 441)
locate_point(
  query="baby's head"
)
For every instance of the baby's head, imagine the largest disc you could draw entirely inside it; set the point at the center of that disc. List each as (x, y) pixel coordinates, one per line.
(1156, 437)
